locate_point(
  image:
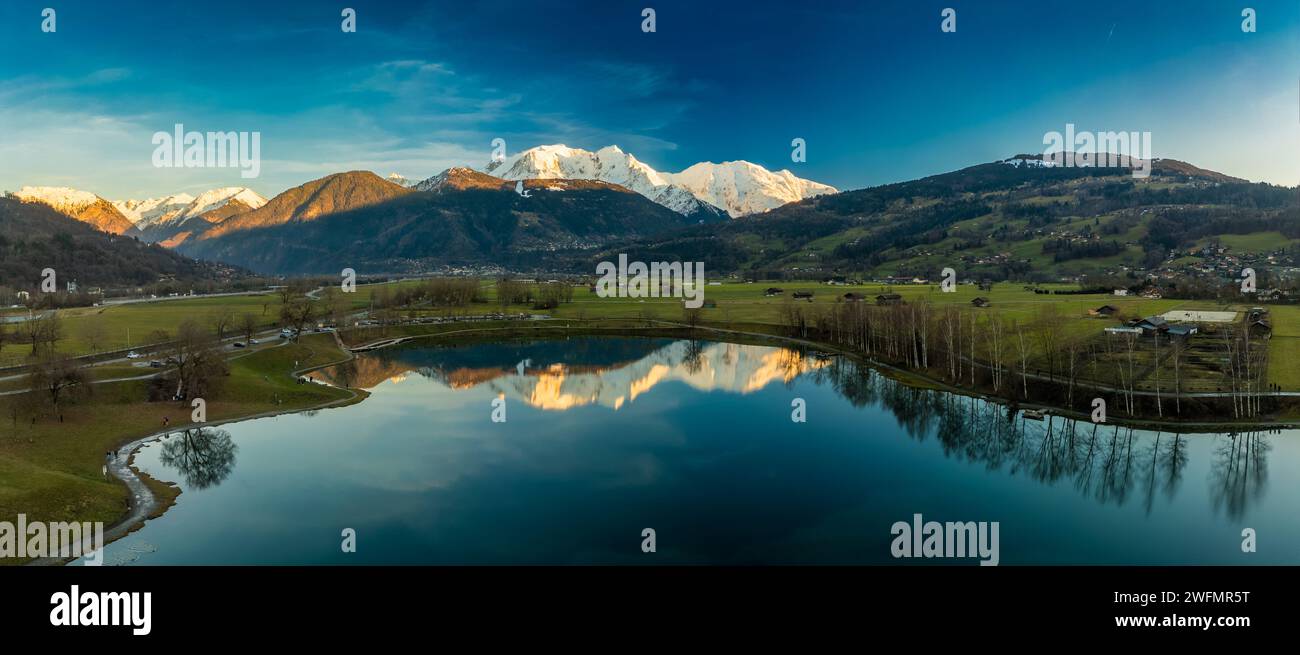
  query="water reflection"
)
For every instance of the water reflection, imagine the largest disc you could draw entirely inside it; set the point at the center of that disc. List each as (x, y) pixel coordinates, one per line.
(607, 436)
(609, 372)
(1108, 463)
(204, 457)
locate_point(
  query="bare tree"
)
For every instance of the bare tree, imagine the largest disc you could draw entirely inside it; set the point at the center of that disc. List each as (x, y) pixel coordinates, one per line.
(55, 375)
(692, 316)
(1048, 328)
(94, 335)
(196, 359)
(302, 310)
(1177, 351)
(1024, 357)
(43, 331)
(248, 326)
(222, 320)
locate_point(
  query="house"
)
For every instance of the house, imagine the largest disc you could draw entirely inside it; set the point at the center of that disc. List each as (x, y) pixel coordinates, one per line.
(801, 295)
(1260, 328)
(1182, 331)
(773, 291)
(980, 302)
(853, 297)
(1150, 324)
(1121, 292)
(1270, 294)
(889, 299)
(1104, 310)
(1123, 329)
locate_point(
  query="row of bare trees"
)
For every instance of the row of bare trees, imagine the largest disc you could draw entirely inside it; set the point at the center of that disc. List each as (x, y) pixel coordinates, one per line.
(1007, 355)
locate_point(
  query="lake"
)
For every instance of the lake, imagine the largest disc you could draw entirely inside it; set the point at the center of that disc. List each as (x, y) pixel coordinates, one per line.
(603, 438)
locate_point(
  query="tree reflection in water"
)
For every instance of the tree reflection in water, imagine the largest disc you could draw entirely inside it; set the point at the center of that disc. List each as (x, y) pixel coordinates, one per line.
(203, 456)
(1109, 463)
(1240, 471)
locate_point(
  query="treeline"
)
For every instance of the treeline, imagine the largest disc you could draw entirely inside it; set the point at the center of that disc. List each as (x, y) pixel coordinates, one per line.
(540, 295)
(436, 292)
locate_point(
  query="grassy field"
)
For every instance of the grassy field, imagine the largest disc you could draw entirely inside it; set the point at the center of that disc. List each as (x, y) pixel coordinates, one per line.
(133, 324)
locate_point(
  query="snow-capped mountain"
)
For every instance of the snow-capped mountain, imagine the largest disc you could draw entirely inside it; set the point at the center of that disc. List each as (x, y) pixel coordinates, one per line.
(402, 180)
(144, 213)
(218, 198)
(163, 219)
(62, 198)
(179, 208)
(743, 188)
(609, 164)
(81, 205)
(738, 188)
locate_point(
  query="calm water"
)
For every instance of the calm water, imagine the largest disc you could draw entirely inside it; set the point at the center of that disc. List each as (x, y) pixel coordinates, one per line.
(606, 437)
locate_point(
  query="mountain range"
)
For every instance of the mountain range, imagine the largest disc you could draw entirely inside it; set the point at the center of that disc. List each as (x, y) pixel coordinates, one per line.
(81, 205)
(558, 208)
(460, 217)
(737, 188)
(169, 220)
(1017, 218)
(35, 236)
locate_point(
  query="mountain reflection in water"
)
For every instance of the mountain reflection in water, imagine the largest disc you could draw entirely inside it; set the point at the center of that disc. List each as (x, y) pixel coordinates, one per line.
(1109, 463)
(607, 436)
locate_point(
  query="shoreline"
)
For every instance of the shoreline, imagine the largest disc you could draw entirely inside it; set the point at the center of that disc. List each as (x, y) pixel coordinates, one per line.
(144, 505)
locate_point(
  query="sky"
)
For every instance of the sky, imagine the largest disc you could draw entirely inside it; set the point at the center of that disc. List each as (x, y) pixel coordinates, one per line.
(877, 90)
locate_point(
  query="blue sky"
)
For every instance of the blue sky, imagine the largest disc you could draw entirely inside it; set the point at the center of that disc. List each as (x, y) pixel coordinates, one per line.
(875, 88)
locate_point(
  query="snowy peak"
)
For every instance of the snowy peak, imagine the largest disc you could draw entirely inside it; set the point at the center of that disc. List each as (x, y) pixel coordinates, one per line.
(739, 188)
(609, 164)
(743, 188)
(218, 198)
(178, 208)
(401, 180)
(81, 205)
(62, 198)
(143, 213)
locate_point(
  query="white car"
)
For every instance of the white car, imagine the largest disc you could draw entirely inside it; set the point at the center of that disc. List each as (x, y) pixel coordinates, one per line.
(253, 342)
(133, 355)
